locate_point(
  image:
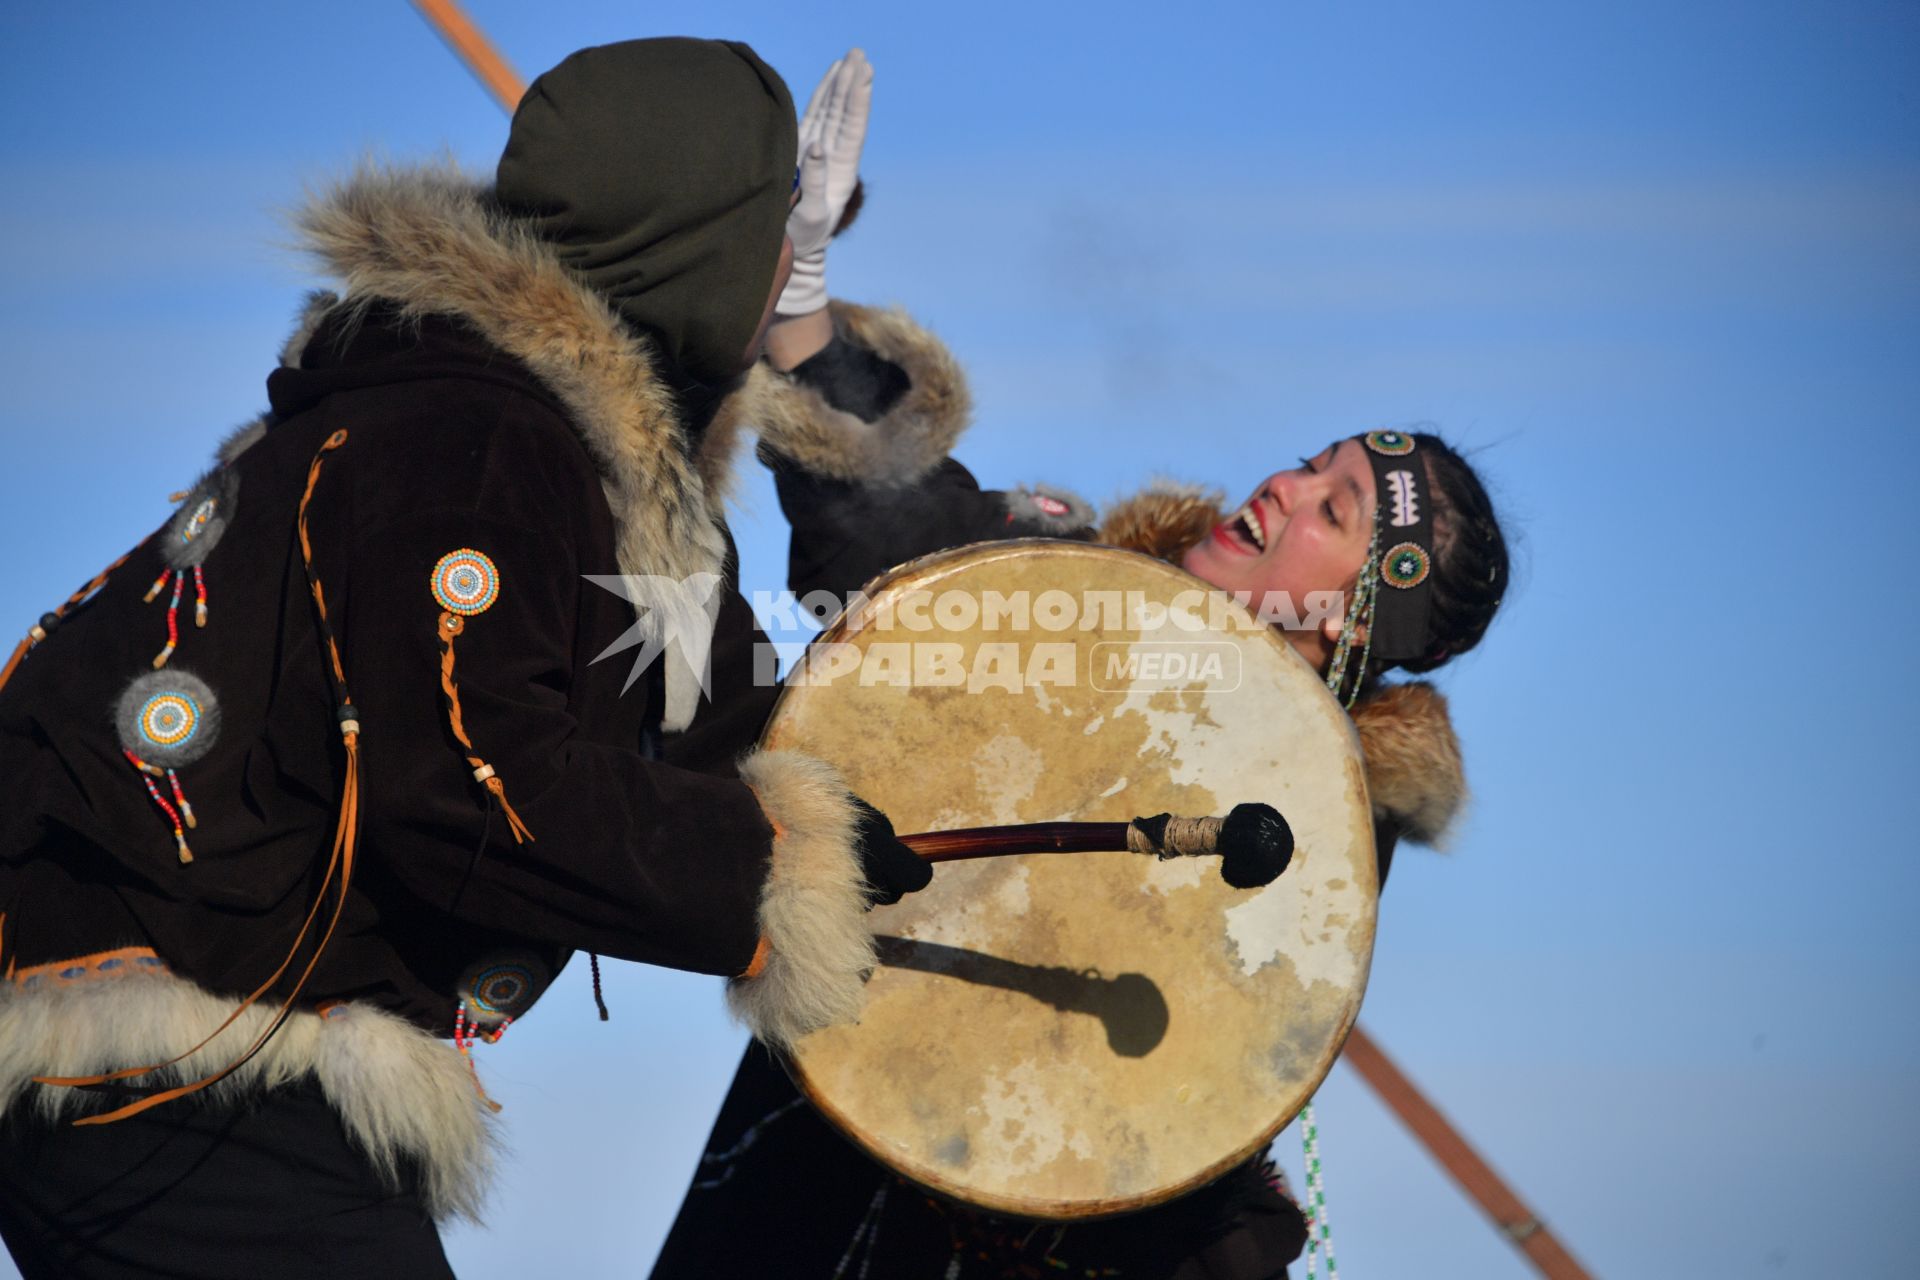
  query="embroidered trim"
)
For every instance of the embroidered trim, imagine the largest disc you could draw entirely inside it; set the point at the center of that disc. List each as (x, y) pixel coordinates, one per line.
(101, 964)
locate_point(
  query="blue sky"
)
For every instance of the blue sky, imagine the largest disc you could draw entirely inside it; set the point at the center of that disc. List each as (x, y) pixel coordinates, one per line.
(1660, 264)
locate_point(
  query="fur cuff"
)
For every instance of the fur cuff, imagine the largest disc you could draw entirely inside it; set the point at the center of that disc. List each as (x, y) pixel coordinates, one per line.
(1051, 512)
(906, 442)
(813, 908)
(404, 1095)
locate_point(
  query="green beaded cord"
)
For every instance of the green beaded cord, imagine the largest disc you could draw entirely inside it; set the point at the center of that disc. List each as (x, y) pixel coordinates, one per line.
(1319, 1234)
(1366, 591)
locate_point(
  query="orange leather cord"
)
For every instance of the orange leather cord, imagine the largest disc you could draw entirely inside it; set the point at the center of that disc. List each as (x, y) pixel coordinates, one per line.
(762, 952)
(19, 651)
(449, 627)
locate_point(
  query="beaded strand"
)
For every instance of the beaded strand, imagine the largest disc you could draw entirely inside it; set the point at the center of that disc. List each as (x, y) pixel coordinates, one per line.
(1319, 1234)
(463, 1038)
(148, 773)
(868, 1231)
(724, 1160)
(173, 621)
(1366, 592)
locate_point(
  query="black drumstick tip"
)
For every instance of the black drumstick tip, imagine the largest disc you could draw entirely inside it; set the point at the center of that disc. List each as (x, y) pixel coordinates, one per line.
(1256, 844)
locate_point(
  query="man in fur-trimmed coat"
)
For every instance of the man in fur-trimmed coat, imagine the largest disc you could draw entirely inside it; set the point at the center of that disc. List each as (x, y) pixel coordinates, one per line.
(348, 780)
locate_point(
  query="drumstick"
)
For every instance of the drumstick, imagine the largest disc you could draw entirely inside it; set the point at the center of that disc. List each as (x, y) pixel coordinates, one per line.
(1253, 842)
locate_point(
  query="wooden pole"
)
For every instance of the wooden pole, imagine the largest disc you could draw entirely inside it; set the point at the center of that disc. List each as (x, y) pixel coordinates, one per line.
(1510, 1216)
(473, 48)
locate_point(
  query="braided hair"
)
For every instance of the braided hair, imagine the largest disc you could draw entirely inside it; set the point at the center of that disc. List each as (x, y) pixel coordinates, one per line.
(1470, 563)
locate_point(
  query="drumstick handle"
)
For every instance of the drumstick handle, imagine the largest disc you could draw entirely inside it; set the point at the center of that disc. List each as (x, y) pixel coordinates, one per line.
(1036, 837)
(1253, 842)
(1166, 836)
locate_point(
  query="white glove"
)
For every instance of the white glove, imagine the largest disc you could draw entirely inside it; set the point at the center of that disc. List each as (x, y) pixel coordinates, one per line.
(831, 135)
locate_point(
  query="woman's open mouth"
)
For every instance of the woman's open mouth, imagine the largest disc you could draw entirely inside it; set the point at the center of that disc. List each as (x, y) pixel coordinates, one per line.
(1243, 531)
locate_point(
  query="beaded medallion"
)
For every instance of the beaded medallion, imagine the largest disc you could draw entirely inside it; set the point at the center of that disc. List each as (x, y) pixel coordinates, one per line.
(1405, 566)
(1390, 444)
(501, 987)
(466, 582)
(166, 721)
(491, 994)
(190, 536)
(170, 718)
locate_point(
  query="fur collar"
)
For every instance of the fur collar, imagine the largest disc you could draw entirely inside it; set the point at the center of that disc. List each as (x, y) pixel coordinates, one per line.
(1413, 756)
(429, 240)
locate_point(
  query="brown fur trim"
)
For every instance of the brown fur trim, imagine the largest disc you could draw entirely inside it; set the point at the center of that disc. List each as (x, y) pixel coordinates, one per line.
(404, 1096)
(813, 908)
(429, 240)
(1413, 756)
(906, 442)
(1413, 759)
(1163, 520)
(721, 441)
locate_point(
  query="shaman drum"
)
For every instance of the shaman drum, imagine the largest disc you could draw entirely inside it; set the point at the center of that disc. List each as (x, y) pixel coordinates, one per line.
(1069, 1036)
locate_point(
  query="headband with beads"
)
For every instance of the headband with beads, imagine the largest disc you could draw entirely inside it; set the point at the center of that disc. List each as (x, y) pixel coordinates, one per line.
(1392, 601)
(1403, 607)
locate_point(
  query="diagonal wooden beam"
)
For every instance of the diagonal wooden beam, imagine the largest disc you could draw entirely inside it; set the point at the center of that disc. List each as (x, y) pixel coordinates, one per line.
(1510, 1215)
(472, 47)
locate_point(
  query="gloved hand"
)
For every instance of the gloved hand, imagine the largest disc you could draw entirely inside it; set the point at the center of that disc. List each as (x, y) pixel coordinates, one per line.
(831, 135)
(893, 871)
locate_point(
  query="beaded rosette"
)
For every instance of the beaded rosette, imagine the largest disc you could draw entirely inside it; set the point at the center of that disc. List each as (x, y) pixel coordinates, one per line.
(491, 994)
(188, 539)
(465, 584)
(167, 720)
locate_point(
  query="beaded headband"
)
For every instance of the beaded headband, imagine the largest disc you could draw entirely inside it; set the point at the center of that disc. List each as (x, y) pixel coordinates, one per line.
(1404, 518)
(1393, 596)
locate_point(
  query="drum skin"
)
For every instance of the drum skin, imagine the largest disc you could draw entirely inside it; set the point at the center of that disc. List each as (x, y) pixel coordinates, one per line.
(1071, 1036)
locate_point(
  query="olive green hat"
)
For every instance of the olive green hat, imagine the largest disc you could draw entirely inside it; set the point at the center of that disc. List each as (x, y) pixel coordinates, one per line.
(662, 170)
